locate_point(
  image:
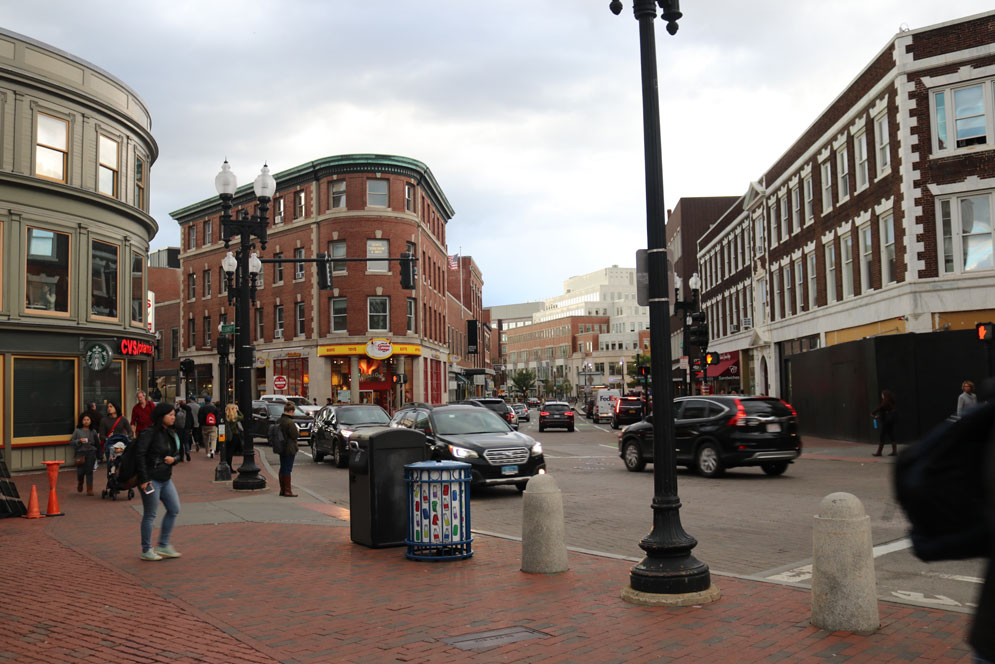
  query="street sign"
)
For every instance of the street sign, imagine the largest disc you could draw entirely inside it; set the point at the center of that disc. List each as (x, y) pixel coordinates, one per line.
(228, 328)
(279, 382)
(684, 362)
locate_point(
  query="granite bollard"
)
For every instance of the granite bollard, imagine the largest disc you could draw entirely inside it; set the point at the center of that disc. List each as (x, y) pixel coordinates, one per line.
(544, 550)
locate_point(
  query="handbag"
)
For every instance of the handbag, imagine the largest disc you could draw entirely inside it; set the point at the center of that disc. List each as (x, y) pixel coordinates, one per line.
(80, 460)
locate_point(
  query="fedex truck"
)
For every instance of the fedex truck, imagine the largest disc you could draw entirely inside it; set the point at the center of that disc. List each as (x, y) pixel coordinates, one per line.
(604, 404)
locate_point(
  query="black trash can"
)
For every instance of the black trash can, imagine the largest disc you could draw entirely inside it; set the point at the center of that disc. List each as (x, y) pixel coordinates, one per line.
(378, 497)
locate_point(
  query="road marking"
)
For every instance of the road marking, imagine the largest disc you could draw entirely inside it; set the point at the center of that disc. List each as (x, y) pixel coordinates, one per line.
(941, 600)
(601, 428)
(611, 447)
(891, 547)
(955, 577)
(804, 572)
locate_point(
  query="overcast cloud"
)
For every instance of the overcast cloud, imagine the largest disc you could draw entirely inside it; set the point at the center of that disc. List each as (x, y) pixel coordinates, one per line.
(527, 111)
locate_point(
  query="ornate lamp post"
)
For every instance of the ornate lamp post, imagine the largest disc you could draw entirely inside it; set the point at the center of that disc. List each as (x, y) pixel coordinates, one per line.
(669, 574)
(242, 268)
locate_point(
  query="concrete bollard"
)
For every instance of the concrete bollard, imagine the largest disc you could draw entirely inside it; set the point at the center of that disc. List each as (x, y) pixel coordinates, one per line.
(844, 594)
(544, 550)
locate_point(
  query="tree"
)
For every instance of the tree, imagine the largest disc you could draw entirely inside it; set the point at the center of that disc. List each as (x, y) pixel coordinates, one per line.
(524, 380)
(566, 388)
(549, 387)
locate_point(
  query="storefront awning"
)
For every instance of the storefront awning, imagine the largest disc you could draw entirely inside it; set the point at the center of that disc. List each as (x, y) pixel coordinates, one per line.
(460, 378)
(728, 366)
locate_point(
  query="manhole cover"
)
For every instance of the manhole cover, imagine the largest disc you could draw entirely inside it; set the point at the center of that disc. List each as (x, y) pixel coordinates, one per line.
(494, 638)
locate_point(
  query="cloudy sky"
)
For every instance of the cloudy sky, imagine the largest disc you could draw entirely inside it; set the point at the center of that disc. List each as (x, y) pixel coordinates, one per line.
(527, 111)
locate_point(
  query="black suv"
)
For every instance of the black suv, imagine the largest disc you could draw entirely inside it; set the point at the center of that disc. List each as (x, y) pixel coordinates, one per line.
(265, 413)
(713, 433)
(628, 410)
(556, 414)
(496, 453)
(334, 425)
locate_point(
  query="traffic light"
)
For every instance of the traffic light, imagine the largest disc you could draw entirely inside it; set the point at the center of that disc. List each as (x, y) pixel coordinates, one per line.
(223, 345)
(643, 371)
(711, 358)
(399, 379)
(186, 365)
(325, 272)
(698, 332)
(986, 332)
(408, 271)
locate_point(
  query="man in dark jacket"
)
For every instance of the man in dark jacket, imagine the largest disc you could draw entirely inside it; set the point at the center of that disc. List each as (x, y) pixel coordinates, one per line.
(982, 637)
(208, 419)
(288, 450)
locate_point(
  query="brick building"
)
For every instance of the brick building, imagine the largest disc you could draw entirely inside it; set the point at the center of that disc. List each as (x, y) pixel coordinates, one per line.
(164, 290)
(876, 223)
(470, 373)
(351, 206)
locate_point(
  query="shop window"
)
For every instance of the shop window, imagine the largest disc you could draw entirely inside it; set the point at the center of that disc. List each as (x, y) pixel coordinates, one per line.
(336, 194)
(45, 399)
(295, 369)
(103, 280)
(107, 172)
(47, 271)
(106, 384)
(377, 249)
(339, 317)
(51, 147)
(377, 193)
(379, 317)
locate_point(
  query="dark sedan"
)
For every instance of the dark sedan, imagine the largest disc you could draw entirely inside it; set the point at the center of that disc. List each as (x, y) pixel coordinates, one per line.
(713, 433)
(333, 426)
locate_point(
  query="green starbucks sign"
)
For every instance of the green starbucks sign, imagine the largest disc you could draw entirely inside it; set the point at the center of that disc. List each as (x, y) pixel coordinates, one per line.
(97, 356)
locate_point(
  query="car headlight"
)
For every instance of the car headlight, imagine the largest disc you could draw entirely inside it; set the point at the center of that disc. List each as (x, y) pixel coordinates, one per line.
(346, 433)
(537, 449)
(462, 452)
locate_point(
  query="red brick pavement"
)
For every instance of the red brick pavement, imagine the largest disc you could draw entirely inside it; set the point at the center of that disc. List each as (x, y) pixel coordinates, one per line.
(73, 590)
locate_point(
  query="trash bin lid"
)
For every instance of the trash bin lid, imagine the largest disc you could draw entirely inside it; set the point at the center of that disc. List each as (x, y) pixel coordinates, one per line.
(438, 465)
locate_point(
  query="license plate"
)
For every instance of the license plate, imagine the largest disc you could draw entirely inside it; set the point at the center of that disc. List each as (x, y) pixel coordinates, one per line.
(631, 411)
(509, 470)
(773, 428)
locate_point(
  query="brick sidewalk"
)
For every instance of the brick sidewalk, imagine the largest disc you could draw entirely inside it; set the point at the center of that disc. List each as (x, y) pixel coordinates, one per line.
(75, 591)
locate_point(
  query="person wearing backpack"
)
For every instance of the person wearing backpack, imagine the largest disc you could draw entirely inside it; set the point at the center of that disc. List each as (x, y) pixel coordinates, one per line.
(288, 449)
(208, 418)
(158, 449)
(885, 416)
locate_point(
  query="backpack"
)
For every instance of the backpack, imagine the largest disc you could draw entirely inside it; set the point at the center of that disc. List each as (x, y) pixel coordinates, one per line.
(211, 420)
(276, 439)
(127, 470)
(939, 483)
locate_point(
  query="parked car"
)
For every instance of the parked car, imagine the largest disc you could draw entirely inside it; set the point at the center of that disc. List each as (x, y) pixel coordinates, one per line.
(713, 433)
(265, 413)
(499, 406)
(556, 414)
(628, 410)
(524, 415)
(497, 454)
(334, 425)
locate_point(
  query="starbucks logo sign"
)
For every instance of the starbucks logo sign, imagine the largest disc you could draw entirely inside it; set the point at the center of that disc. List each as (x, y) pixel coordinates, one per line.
(97, 356)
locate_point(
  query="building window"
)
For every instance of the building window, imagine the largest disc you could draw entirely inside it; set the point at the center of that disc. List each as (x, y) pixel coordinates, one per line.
(339, 315)
(107, 171)
(174, 343)
(843, 173)
(412, 307)
(298, 204)
(409, 197)
(191, 237)
(376, 193)
(809, 200)
(762, 286)
(887, 249)
(260, 280)
(207, 284)
(260, 326)
(278, 322)
(813, 284)
(796, 210)
(47, 271)
(336, 194)
(966, 226)
(776, 282)
(378, 249)
(759, 234)
(298, 266)
(866, 258)
(277, 270)
(789, 299)
(299, 319)
(883, 141)
(51, 148)
(827, 187)
(207, 331)
(846, 252)
(191, 286)
(799, 287)
(830, 273)
(965, 110)
(278, 210)
(104, 294)
(141, 202)
(208, 232)
(191, 333)
(379, 317)
(863, 168)
(338, 250)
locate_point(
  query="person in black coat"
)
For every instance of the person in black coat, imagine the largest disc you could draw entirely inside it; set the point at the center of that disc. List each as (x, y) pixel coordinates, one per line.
(982, 637)
(885, 416)
(158, 451)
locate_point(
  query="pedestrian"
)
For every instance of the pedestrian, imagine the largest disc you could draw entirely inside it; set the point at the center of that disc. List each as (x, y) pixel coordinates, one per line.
(233, 432)
(207, 417)
(194, 425)
(85, 444)
(982, 636)
(158, 451)
(179, 426)
(91, 410)
(289, 449)
(328, 401)
(885, 416)
(967, 399)
(188, 421)
(141, 414)
(113, 424)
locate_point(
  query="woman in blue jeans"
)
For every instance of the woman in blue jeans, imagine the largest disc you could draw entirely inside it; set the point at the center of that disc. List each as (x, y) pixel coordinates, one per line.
(158, 451)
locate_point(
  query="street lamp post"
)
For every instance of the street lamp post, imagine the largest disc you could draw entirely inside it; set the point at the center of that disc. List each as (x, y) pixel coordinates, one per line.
(687, 307)
(668, 569)
(242, 268)
(222, 473)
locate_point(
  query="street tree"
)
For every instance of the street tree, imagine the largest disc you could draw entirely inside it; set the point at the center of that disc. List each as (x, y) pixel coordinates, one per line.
(524, 380)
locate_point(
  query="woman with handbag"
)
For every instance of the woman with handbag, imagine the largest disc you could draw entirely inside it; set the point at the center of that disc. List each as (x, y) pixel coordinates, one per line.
(114, 424)
(84, 442)
(233, 432)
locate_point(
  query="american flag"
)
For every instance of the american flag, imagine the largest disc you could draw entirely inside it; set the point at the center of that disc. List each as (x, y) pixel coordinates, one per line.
(454, 261)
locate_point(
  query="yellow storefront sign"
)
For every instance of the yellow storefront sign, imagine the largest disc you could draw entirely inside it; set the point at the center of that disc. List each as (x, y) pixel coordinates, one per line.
(360, 349)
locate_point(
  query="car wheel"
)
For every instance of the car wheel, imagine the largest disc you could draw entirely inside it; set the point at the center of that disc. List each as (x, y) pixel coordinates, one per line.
(708, 463)
(570, 428)
(316, 456)
(521, 487)
(633, 458)
(775, 467)
(614, 425)
(541, 428)
(339, 457)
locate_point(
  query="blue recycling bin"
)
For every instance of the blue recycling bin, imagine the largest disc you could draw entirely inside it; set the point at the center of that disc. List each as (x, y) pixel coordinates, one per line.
(438, 510)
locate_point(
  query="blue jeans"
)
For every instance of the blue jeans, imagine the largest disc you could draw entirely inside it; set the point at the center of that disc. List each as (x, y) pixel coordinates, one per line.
(287, 463)
(166, 492)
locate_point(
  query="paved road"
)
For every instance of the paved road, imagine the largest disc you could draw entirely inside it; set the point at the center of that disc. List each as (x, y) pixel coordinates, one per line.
(746, 523)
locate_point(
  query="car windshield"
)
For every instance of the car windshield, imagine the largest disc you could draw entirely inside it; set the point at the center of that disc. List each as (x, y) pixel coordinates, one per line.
(765, 407)
(362, 416)
(630, 401)
(470, 420)
(556, 408)
(276, 410)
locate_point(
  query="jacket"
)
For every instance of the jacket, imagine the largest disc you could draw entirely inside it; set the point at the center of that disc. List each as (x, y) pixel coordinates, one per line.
(189, 418)
(194, 408)
(154, 445)
(141, 418)
(982, 637)
(289, 430)
(84, 442)
(203, 412)
(122, 427)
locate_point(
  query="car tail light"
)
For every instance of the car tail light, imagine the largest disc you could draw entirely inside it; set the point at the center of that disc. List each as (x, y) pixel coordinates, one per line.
(544, 413)
(739, 419)
(569, 413)
(794, 413)
(618, 406)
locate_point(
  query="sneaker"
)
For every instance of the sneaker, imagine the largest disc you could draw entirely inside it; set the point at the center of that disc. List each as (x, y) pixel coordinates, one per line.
(167, 552)
(151, 555)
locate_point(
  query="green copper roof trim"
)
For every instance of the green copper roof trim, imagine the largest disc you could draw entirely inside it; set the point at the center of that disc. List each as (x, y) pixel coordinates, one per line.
(344, 163)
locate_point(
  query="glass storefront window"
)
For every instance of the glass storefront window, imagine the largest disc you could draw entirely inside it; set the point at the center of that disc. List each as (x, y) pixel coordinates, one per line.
(103, 279)
(105, 385)
(47, 271)
(44, 398)
(296, 371)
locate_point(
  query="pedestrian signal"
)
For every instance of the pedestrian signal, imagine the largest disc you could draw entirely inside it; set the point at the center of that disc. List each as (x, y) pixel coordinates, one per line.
(711, 358)
(644, 371)
(986, 332)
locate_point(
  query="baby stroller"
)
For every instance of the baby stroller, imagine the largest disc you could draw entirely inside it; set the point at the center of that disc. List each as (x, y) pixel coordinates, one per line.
(116, 444)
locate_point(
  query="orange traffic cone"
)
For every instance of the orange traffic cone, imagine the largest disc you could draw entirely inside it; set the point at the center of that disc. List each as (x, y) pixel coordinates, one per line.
(33, 511)
(53, 504)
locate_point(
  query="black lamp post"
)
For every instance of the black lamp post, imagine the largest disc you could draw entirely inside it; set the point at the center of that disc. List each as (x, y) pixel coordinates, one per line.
(242, 268)
(687, 307)
(669, 569)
